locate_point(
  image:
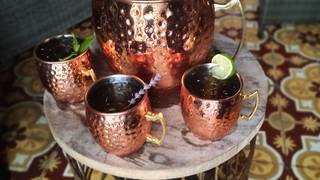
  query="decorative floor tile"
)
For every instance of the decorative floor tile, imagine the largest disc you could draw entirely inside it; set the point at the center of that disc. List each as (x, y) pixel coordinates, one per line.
(288, 174)
(28, 77)
(68, 171)
(301, 39)
(25, 135)
(267, 163)
(302, 86)
(48, 166)
(231, 26)
(83, 29)
(287, 145)
(309, 155)
(301, 173)
(273, 126)
(251, 5)
(306, 173)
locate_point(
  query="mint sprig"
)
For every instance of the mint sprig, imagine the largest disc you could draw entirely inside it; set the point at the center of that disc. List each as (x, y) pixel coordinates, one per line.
(78, 48)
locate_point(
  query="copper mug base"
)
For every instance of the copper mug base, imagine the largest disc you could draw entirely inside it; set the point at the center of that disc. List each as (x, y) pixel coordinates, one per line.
(117, 126)
(209, 112)
(66, 80)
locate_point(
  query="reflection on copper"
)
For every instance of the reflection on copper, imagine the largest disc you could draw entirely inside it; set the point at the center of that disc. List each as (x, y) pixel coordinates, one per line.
(123, 133)
(165, 37)
(210, 119)
(65, 79)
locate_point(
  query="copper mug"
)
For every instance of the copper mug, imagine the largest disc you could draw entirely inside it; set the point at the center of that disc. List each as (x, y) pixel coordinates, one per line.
(211, 107)
(66, 80)
(142, 38)
(117, 125)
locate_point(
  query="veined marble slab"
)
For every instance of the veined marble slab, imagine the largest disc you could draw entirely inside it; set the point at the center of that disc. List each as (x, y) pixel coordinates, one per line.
(182, 154)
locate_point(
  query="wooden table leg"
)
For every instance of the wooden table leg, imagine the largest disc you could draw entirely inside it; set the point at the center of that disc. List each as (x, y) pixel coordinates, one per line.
(235, 168)
(80, 171)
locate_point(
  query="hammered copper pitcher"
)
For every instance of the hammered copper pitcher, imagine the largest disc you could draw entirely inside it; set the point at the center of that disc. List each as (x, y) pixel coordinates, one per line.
(144, 37)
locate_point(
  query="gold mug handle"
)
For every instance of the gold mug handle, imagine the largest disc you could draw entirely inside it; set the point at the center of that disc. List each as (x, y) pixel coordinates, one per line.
(255, 107)
(154, 117)
(229, 5)
(90, 73)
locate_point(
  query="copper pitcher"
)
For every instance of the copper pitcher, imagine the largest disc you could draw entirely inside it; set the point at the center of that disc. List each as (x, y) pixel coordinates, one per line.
(144, 37)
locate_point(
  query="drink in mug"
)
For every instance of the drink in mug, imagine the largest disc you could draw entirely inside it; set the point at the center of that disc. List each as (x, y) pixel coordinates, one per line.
(211, 107)
(119, 126)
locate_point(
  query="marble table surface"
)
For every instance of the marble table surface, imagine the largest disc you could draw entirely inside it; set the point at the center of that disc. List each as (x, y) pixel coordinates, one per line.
(181, 154)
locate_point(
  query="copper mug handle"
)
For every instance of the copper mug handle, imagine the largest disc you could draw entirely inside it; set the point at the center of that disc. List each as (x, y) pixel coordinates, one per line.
(255, 107)
(154, 117)
(90, 73)
(227, 6)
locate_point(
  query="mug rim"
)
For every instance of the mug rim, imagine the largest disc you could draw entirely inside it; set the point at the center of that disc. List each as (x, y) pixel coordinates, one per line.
(210, 100)
(54, 61)
(114, 113)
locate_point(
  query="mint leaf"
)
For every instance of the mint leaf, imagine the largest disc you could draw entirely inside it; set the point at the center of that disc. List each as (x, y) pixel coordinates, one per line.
(77, 47)
(72, 54)
(75, 43)
(85, 44)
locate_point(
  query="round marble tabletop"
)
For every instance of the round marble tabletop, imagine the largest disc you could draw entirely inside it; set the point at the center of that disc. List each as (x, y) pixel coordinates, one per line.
(181, 154)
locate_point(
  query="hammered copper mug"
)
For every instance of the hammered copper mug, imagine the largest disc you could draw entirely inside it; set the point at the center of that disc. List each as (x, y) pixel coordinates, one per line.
(117, 125)
(211, 107)
(66, 80)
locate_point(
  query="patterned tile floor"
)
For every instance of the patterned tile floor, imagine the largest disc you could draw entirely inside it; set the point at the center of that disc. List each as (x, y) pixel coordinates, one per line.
(288, 145)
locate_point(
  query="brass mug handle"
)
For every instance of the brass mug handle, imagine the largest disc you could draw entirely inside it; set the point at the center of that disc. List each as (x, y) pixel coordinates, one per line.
(255, 107)
(229, 5)
(154, 117)
(90, 73)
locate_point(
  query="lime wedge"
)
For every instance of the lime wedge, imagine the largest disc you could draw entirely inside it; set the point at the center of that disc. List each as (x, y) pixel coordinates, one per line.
(225, 66)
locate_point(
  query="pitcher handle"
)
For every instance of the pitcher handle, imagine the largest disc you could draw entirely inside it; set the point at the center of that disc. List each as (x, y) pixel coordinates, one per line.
(154, 117)
(255, 107)
(227, 6)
